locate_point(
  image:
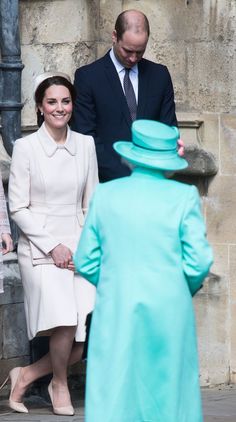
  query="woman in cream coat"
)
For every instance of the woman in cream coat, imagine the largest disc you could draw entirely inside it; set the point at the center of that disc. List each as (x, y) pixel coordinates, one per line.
(53, 174)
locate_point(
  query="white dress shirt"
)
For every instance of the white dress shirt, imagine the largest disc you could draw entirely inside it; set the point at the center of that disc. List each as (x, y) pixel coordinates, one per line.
(121, 73)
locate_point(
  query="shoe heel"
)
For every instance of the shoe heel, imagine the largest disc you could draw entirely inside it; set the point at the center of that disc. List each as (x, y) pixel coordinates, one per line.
(64, 411)
(14, 405)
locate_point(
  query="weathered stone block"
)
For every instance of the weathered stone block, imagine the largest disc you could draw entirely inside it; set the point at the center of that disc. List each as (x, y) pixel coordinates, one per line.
(54, 21)
(201, 163)
(83, 53)
(170, 20)
(102, 48)
(233, 85)
(174, 57)
(218, 357)
(232, 311)
(220, 210)
(232, 336)
(232, 274)
(209, 134)
(107, 17)
(217, 339)
(210, 303)
(218, 280)
(201, 304)
(15, 340)
(208, 90)
(13, 291)
(201, 130)
(190, 126)
(228, 144)
(177, 19)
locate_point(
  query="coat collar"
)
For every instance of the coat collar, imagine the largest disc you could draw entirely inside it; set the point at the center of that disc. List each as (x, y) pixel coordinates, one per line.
(50, 146)
(144, 172)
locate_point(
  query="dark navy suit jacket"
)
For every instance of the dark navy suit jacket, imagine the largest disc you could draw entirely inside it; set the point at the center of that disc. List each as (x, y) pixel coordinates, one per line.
(101, 109)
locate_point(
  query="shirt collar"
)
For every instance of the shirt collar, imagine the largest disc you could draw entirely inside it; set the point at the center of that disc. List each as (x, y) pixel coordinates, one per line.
(119, 67)
(50, 146)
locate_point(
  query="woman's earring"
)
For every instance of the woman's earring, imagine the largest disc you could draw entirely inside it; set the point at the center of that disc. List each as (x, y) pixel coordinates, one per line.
(41, 113)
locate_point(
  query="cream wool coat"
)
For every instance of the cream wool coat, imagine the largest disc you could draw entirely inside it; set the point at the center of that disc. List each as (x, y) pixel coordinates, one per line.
(49, 190)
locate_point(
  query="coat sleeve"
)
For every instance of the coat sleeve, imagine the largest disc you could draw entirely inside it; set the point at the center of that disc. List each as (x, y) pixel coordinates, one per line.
(92, 177)
(84, 110)
(167, 113)
(87, 257)
(196, 251)
(19, 199)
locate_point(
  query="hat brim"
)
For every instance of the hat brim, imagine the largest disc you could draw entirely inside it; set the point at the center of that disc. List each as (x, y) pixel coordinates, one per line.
(158, 160)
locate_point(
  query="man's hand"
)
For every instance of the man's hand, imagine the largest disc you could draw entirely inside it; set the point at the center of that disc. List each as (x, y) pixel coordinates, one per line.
(181, 148)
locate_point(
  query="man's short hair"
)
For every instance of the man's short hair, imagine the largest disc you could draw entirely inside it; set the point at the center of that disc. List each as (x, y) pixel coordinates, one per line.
(122, 25)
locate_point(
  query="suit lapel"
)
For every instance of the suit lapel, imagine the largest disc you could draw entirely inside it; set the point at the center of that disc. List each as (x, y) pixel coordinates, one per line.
(142, 89)
(115, 84)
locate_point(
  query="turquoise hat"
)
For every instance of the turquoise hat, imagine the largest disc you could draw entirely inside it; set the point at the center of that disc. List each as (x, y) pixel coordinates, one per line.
(154, 145)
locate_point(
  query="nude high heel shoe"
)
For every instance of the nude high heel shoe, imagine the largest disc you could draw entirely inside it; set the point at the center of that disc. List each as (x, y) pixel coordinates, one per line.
(65, 410)
(13, 377)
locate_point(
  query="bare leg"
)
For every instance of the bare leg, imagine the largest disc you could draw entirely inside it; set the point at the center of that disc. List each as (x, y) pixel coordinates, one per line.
(41, 368)
(61, 343)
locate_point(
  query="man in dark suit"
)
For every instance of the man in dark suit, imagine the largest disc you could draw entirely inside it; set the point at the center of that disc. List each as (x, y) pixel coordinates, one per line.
(102, 107)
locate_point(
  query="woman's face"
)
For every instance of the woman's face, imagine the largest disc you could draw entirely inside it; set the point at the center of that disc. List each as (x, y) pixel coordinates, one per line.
(56, 106)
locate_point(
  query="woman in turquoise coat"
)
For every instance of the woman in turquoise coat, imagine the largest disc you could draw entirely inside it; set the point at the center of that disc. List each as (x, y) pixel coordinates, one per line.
(144, 248)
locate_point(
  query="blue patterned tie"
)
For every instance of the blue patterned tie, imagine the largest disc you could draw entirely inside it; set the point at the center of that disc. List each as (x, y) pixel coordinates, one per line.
(130, 95)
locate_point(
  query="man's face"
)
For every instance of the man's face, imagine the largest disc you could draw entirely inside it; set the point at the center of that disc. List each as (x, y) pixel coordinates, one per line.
(130, 48)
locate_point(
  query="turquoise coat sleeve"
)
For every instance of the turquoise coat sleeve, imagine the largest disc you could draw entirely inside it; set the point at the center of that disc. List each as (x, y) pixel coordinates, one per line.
(88, 253)
(197, 253)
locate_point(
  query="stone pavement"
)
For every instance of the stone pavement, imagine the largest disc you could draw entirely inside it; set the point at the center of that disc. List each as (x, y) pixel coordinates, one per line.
(219, 405)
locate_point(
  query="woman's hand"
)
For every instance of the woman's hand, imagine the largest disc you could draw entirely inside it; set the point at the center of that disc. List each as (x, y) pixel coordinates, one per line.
(61, 256)
(7, 243)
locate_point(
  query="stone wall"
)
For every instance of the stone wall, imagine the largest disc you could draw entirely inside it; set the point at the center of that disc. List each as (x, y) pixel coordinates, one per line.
(196, 39)
(14, 347)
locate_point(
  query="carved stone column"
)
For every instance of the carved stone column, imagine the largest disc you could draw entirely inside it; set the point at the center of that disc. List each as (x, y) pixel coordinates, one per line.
(10, 74)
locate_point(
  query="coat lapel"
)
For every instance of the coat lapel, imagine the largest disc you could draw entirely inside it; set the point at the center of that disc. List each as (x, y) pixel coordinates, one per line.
(115, 84)
(142, 89)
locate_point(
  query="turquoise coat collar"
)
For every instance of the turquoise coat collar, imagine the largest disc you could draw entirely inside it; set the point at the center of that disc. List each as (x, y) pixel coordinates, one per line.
(148, 172)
